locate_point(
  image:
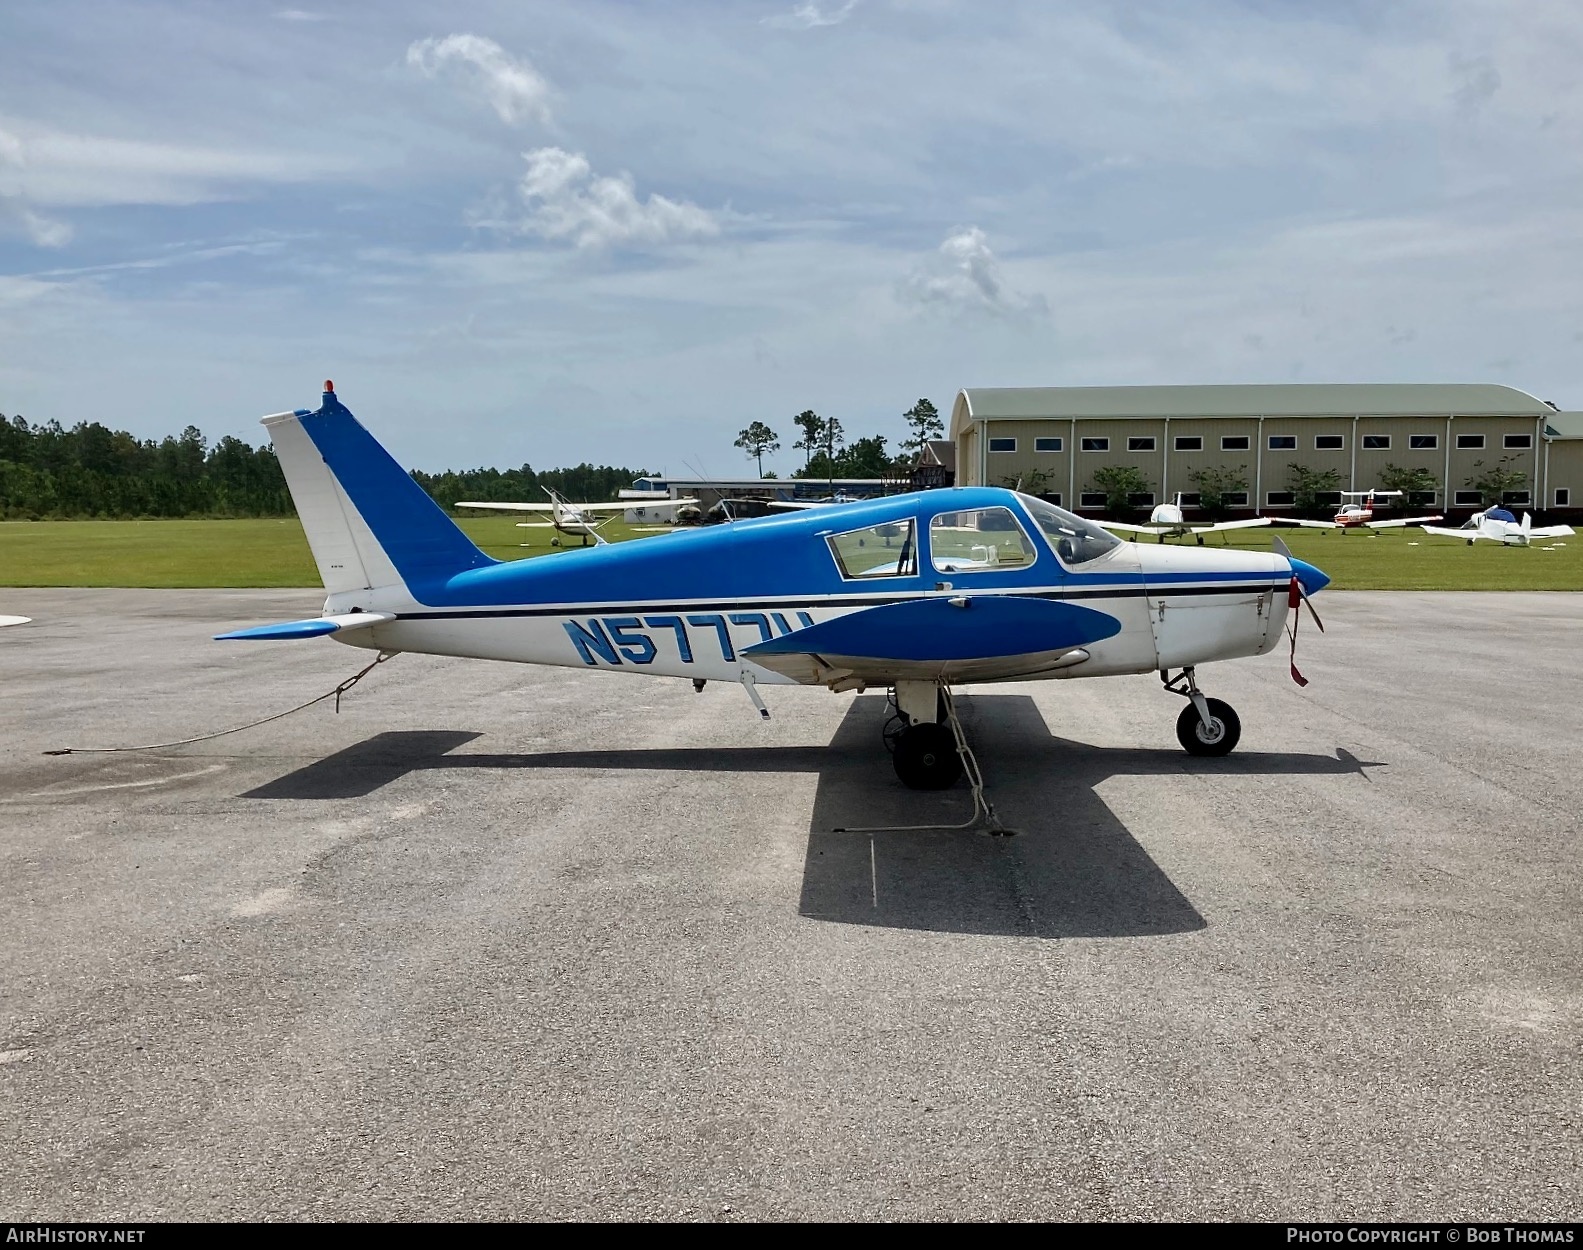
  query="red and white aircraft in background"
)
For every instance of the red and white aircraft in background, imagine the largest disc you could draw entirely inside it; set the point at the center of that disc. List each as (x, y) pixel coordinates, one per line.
(1360, 514)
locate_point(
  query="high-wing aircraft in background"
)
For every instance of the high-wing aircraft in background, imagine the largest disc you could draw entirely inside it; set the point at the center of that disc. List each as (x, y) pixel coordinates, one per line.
(815, 598)
(1500, 526)
(1166, 519)
(1359, 514)
(582, 519)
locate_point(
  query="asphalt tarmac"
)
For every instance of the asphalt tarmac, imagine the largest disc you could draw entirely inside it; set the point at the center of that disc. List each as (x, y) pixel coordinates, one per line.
(499, 942)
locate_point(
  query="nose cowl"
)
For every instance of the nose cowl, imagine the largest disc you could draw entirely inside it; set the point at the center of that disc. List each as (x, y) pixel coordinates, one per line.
(1308, 577)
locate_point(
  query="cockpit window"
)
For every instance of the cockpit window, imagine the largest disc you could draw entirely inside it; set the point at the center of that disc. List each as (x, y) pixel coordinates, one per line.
(887, 550)
(1073, 539)
(978, 540)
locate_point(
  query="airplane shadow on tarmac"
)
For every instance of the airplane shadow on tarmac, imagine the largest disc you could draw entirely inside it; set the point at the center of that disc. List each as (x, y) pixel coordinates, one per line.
(1073, 870)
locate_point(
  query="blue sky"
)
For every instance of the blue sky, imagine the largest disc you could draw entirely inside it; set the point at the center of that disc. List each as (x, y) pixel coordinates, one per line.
(619, 232)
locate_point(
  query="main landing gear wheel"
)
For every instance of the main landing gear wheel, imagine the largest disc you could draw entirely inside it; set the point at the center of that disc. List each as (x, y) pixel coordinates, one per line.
(1216, 738)
(926, 758)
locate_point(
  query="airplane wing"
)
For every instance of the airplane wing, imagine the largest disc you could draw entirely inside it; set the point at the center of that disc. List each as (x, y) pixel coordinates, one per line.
(313, 627)
(1314, 525)
(1467, 534)
(1234, 525)
(540, 525)
(1552, 531)
(1397, 521)
(512, 507)
(14, 620)
(960, 638)
(1136, 529)
(800, 503)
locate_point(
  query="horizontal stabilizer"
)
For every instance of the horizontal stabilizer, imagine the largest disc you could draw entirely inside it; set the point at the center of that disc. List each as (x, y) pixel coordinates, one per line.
(313, 627)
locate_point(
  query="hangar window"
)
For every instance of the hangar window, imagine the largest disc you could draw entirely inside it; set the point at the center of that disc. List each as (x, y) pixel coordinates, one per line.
(1283, 442)
(1092, 499)
(1328, 498)
(1096, 444)
(1423, 442)
(1235, 499)
(1469, 498)
(1470, 442)
(1188, 499)
(1563, 497)
(1189, 442)
(1280, 498)
(1143, 499)
(1517, 440)
(1520, 497)
(1329, 442)
(886, 550)
(1047, 444)
(976, 541)
(1376, 442)
(1422, 498)
(1234, 442)
(1003, 444)
(1140, 444)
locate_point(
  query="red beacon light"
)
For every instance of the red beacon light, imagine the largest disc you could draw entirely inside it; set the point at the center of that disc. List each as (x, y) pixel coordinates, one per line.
(329, 387)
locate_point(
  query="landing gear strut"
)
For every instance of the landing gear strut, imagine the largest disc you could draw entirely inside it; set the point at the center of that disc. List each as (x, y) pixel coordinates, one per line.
(931, 754)
(1206, 726)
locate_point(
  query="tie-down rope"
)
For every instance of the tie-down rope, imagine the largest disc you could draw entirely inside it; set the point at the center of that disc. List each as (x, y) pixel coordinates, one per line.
(336, 694)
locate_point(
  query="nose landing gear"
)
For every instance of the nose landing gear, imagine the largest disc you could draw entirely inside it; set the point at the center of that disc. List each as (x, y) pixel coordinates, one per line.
(1206, 726)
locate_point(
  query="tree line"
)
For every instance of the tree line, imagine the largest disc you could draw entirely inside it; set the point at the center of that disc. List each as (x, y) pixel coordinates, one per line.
(92, 471)
(827, 454)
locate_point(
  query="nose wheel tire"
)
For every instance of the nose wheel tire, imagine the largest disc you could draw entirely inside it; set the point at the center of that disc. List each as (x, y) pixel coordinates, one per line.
(1216, 738)
(926, 758)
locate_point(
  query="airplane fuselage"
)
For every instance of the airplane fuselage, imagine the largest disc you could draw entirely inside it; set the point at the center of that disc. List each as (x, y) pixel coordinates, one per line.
(693, 602)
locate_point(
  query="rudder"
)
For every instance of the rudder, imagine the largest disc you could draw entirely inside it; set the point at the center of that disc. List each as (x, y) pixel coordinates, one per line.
(368, 523)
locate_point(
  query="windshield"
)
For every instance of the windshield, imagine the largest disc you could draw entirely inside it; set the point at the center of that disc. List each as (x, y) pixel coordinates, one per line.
(1073, 539)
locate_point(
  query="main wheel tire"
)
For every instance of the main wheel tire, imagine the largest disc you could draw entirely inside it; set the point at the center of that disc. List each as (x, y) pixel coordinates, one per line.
(926, 758)
(1219, 739)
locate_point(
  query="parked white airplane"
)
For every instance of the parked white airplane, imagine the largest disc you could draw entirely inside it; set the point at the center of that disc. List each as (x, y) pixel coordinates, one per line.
(1167, 519)
(1499, 525)
(1360, 515)
(798, 504)
(582, 519)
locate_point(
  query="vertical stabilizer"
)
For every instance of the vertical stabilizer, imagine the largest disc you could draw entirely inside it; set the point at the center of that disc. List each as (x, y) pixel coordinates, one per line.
(368, 523)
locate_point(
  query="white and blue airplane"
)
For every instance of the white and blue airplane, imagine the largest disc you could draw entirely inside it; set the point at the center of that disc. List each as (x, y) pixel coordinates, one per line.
(975, 584)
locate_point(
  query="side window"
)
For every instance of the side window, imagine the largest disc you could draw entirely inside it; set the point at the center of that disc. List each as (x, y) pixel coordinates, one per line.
(978, 540)
(888, 550)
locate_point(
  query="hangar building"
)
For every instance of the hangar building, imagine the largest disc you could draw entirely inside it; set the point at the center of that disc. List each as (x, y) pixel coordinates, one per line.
(1052, 439)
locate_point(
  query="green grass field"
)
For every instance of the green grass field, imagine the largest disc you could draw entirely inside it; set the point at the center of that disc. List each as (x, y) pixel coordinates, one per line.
(274, 553)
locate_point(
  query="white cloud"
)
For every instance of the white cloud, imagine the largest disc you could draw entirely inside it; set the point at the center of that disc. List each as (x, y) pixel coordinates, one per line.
(968, 277)
(513, 88)
(58, 168)
(44, 231)
(300, 15)
(567, 201)
(806, 16)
